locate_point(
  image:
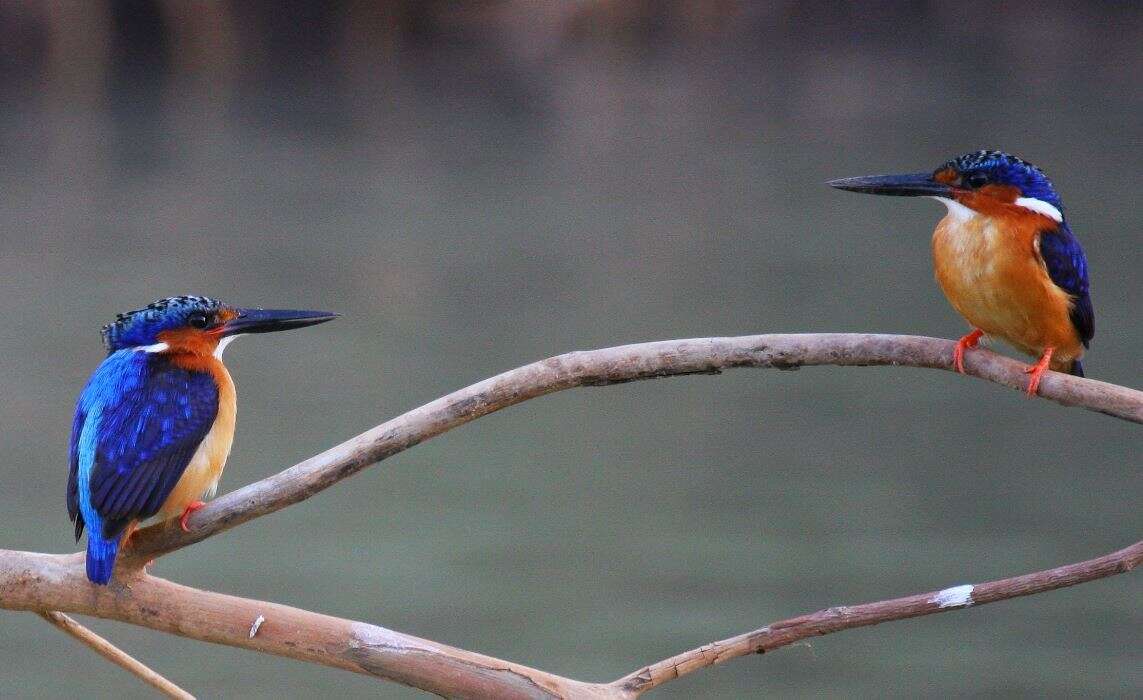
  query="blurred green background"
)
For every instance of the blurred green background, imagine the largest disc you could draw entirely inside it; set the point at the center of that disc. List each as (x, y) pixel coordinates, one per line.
(478, 185)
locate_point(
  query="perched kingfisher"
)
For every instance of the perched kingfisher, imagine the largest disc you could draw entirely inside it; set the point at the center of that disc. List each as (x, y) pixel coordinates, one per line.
(153, 426)
(1004, 256)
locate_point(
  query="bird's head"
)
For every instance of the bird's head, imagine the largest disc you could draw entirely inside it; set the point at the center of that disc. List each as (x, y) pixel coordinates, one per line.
(198, 325)
(993, 183)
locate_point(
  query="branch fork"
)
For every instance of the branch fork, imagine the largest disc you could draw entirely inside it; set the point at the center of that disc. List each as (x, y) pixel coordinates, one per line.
(48, 583)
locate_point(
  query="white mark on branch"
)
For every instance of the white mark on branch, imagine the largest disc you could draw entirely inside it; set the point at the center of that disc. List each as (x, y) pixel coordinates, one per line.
(257, 625)
(955, 597)
(372, 636)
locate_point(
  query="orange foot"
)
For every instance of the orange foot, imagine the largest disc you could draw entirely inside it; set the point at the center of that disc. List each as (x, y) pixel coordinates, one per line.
(966, 343)
(1037, 371)
(191, 507)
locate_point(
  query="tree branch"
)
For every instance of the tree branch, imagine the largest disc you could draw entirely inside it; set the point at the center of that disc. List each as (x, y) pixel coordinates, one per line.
(32, 581)
(845, 617)
(46, 582)
(600, 368)
(115, 655)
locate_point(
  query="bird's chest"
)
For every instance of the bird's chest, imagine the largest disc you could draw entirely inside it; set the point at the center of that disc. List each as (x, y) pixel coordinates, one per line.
(969, 252)
(974, 260)
(981, 266)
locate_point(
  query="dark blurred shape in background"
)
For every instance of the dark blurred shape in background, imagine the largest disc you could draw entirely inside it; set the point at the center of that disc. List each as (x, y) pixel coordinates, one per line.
(476, 185)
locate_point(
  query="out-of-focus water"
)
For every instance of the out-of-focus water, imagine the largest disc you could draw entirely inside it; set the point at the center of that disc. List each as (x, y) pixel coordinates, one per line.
(472, 208)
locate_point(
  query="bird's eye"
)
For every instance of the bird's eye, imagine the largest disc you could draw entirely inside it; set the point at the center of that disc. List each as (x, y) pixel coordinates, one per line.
(198, 321)
(976, 180)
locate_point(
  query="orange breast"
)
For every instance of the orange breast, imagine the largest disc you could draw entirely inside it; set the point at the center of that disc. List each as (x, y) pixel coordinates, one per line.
(990, 271)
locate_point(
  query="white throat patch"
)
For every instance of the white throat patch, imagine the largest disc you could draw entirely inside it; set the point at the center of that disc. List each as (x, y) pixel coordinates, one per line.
(957, 210)
(223, 343)
(1040, 207)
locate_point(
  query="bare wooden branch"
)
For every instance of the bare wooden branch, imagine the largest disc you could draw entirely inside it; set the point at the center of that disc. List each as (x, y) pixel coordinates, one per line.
(115, 655)
(32, 581)
(844, 617)
(46, 582)
(613, 366)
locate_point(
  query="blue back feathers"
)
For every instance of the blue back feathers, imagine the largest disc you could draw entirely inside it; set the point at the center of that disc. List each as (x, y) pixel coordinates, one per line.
(1000, 168)
(142, 326)
(137, 424)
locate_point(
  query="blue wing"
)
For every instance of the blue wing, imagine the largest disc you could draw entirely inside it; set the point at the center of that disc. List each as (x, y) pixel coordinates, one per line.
(138, 423)
(1067, 266)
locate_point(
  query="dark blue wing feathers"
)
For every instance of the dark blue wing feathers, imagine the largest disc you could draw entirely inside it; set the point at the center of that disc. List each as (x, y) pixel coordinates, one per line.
(151, 415)
(73, 468)
(1067, 266)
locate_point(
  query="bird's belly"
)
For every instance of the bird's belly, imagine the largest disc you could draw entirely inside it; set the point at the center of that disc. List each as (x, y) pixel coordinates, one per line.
(993, 278)
(200, 479)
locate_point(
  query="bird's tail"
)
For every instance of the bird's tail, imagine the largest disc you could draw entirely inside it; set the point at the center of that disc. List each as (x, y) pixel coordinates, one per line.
(100, 557)
(1077, 368)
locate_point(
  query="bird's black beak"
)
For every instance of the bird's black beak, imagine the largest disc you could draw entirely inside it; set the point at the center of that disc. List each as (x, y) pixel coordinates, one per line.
(907, 185)
(270, 320)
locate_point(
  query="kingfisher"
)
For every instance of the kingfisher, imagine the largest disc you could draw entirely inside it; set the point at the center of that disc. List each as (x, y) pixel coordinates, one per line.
(154, 424)
(1004, 257)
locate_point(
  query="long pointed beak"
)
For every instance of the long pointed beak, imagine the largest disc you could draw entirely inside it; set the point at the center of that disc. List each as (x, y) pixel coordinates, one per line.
(907, 185)
(270, 320)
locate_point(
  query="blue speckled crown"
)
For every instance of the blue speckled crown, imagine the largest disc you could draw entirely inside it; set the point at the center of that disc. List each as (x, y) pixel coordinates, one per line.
(1005, 169)
(141, 326)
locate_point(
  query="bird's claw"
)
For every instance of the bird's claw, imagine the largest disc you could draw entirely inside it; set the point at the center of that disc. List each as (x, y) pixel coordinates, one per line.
(966, 343)
(191, 507)
(1037, 372)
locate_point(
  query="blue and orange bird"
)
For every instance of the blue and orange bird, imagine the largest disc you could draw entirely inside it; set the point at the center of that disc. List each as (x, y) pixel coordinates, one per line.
(154, 425)
(1004, 256)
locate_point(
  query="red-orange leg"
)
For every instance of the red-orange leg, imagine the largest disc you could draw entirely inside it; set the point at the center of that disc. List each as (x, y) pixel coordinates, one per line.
(1037, 371)
(967, 342)
(191, 507)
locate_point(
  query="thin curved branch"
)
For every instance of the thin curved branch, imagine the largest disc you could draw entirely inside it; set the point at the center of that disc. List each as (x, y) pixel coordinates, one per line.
(116, 655)
(32, 581)
(845, 617)
(603, 367)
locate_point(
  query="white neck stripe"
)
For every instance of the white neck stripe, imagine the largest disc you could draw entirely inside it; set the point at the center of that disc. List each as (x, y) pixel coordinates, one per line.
(963, 213)
(1040, 207)
(163, 347)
